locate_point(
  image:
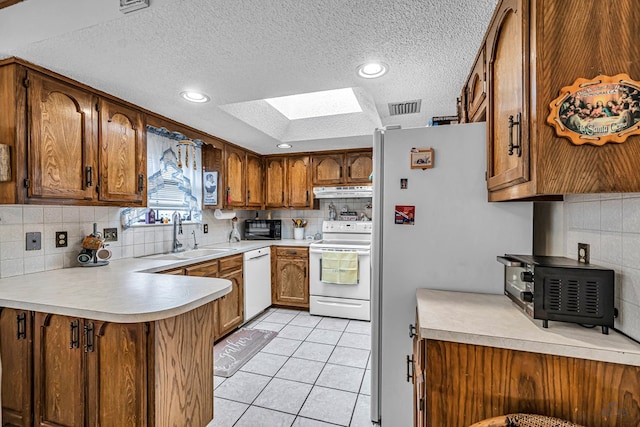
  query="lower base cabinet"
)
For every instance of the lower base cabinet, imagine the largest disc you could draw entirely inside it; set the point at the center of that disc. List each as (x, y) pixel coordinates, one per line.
(94, 373)
(290, 278)
(462, 384)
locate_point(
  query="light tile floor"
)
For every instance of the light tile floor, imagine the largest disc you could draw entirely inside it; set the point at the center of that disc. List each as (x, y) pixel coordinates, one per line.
(315, 373)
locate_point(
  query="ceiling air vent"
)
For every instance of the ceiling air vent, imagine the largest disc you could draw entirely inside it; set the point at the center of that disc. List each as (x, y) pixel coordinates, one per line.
(407, 107)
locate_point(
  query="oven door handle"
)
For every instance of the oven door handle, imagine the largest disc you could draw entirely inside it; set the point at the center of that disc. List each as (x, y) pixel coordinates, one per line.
(508, 262)
(320, 251)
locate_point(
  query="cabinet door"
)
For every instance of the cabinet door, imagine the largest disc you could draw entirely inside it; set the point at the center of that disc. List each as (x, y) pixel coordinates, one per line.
(117, 373)
(327, 169)
(507, 44)
(476, 89)
(122, 154)
(359, 167)
(298, 173)
(275, 188)
(255, 173)
(61, 142)
(419, 388)
(235, 173)
(231, 306)
(205, 269)
(17, 375)
(59, 388)
(291, 284)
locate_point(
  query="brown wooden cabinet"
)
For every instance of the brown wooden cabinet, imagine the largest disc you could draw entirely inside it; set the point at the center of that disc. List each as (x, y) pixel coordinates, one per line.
(289, 276)
(341, 168)
(89, 372)
(122, 154)
(418, 380)
(275, 182)
(299, 182)
(61, 151)
(235, 172)
(16, 339)
(231, 306)
(528, 62)
(69, 144)
(255, 181)
(229, 310)
(475, 90)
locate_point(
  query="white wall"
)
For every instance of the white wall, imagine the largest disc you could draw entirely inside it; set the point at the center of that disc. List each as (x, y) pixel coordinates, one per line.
(77, 221)
(610, 223)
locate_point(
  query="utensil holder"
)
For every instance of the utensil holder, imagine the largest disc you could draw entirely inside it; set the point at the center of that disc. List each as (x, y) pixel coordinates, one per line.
(298, 233)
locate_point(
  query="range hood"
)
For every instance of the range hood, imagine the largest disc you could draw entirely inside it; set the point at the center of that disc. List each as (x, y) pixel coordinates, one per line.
(344, 192)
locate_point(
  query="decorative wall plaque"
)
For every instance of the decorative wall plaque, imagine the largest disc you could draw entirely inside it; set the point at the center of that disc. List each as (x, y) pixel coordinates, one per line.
(604, 109)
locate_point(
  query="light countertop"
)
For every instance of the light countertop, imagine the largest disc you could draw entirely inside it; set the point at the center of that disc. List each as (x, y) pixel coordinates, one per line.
(494, 321)
(126, 290)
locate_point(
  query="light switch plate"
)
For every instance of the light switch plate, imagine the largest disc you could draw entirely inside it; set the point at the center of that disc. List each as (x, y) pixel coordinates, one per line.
(34, 241)
(110, 234)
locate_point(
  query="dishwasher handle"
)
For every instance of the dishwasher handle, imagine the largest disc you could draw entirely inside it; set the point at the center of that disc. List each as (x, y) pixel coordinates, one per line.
(258, 257)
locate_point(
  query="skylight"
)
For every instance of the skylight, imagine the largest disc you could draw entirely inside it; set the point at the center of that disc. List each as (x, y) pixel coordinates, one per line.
(316, 104)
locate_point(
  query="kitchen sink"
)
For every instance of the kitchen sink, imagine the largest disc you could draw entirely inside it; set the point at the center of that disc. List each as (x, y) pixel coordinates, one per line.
(193, 253)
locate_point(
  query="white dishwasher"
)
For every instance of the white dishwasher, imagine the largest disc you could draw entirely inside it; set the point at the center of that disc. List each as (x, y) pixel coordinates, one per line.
(257, 282)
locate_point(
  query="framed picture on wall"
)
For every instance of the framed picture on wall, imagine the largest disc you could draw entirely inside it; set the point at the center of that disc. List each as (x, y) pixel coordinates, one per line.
(210, 180)
(421, 158)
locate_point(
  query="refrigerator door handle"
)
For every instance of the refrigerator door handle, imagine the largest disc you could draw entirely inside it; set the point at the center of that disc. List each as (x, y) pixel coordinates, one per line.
(410, 369)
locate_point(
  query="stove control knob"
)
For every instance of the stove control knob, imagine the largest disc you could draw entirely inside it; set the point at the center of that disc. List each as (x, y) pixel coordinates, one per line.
(526, 276)
(526, 296)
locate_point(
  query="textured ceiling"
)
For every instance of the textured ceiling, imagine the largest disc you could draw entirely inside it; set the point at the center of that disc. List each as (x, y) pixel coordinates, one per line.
(242, 51)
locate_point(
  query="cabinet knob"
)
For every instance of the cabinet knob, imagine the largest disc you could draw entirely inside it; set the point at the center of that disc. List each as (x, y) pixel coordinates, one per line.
(518, 146)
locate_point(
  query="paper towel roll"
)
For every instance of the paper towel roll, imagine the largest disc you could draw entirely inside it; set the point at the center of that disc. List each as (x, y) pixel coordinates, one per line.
(219, 214)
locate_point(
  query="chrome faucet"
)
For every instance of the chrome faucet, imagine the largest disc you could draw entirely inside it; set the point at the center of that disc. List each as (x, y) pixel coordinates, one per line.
(195, 242)
(177, 229)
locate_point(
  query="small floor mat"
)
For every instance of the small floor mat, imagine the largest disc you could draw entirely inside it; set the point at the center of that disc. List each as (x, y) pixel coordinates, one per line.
(237, 349)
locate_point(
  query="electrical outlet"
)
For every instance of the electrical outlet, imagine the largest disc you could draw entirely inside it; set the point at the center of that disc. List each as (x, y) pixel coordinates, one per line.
(584, 253)
(205, 228)
(61, 239)
(34, 241)
(110, 234)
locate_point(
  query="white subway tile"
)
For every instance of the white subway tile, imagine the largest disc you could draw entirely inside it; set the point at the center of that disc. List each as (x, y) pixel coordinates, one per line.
(34, 264)
(12, 267)
(611, 215)
(631, 215)
(611, 248)
(11, 233)
(70, 214)
(52, 214)
(10, 214)
(628, 320)
(591, 214)
(610, 196)
(32, 215)
(149, 248)
(54, 261)
(631, 250)
(630, 289)
(138, 250)
(575, 217)
(11, 250)
(102, 214)
(86, 214)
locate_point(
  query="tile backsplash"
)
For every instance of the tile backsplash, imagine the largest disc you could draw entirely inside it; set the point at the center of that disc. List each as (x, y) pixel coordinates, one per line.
(77, 221)
(610, 224)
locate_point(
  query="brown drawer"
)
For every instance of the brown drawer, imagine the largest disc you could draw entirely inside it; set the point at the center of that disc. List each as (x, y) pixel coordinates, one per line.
(230, 263)
(292, 251)
(205, 269)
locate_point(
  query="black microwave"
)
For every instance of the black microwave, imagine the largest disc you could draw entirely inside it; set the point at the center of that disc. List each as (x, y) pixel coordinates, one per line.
(263, 229)
(560, 289)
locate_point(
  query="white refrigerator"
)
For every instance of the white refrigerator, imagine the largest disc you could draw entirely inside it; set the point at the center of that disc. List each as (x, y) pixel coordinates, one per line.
(452, 243)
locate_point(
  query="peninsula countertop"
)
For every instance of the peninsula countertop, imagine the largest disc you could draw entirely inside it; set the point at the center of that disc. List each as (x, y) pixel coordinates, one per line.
(494, 321)
(127, 290)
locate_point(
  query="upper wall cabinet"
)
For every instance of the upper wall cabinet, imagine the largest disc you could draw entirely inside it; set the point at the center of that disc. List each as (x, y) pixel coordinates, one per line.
(299, 182)
(531, 54)
(341, 168)
(244, 177)
(122, 154)
(275, 169)
(61, 152)
(68, 144)
(475, 91)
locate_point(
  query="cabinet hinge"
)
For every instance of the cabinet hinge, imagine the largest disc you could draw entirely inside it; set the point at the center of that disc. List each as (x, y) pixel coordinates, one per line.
(97, 109)
(27, 183)
(26, 82)
(485, 175)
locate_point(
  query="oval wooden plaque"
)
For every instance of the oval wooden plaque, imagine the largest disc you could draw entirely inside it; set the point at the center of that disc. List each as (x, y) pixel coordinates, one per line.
(604, 109)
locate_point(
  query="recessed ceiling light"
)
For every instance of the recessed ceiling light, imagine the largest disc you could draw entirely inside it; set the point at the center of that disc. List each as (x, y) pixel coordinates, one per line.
(371, 70)
(316, 104)
(284, 145)
(195, 96)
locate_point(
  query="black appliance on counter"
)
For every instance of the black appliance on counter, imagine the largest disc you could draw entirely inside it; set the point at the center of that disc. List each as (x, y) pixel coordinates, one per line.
(559, 288)
(263, 229)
